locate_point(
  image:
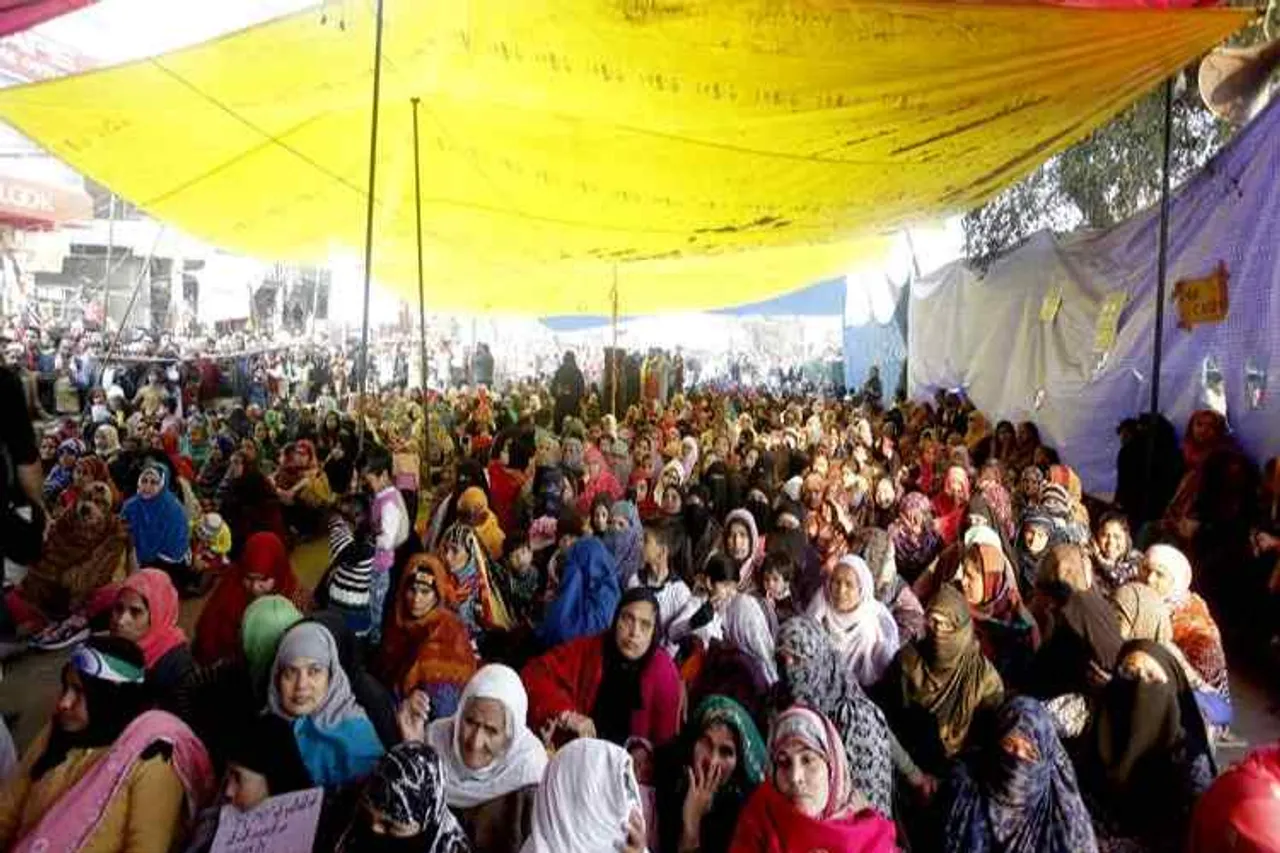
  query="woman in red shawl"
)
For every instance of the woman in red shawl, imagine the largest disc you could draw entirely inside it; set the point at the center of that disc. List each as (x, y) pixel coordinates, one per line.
(808, 801)
(263, 568)
(600, 480)
(951, 504)
(1206, 434)
(183, 465)
(89, 469)
(426, 647)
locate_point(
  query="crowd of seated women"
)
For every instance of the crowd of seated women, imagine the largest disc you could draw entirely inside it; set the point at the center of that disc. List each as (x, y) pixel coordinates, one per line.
(722, 623)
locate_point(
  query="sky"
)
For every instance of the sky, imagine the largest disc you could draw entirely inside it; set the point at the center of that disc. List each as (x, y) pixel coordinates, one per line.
(115, 31)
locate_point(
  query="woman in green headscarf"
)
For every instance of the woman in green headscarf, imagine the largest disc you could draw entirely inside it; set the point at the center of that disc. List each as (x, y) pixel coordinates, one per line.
(706, 775)
(264, 623)
(220, 700)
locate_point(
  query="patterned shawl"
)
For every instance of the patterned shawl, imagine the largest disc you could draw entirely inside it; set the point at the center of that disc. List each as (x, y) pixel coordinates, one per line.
(1011, 804)
(812, 674)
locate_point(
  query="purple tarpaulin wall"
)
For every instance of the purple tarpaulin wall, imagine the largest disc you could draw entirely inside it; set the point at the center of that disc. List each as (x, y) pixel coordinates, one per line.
(984, 332)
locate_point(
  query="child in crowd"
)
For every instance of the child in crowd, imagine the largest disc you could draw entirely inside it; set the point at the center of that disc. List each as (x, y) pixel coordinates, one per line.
(775, 582)
(390, 522)
(673, 594)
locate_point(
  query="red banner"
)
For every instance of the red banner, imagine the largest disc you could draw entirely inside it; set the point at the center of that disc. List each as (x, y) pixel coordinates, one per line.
(32, 204)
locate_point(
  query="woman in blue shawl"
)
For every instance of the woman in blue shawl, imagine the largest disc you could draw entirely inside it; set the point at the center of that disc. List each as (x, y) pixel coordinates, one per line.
(587, 597)
(311, 695)
(1019, 795)
(625, 540)
(62, 475)
(157, 522)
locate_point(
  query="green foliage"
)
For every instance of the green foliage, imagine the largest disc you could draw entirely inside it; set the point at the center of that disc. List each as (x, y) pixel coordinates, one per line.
(1104, 179)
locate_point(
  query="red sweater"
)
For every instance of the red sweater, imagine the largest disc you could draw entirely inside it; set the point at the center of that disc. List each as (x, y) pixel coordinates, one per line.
(567, 678)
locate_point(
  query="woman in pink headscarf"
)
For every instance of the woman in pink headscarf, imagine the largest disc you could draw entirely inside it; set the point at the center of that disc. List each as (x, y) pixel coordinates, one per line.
(950, 505)
(808, 801)
(600, 480)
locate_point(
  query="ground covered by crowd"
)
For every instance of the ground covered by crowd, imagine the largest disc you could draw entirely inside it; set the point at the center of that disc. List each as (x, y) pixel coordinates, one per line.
(726, 620)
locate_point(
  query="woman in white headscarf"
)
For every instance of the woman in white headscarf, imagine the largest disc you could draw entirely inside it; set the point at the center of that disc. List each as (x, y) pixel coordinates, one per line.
(747, 628)
(492, 761)
(860, 628)
(589, 802)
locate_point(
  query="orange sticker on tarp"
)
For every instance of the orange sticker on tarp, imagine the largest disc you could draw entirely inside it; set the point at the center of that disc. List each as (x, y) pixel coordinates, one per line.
(1202, 300)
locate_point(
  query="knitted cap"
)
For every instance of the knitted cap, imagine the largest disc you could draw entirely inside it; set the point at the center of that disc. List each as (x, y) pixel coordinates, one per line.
(340, 537)
(349, 583)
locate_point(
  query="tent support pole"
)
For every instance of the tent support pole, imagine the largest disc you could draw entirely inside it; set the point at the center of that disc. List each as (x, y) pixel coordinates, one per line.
(422, 299)
(1162, 270)
(111, 253)
(613, 367)
(368, 222)
(1162, 255)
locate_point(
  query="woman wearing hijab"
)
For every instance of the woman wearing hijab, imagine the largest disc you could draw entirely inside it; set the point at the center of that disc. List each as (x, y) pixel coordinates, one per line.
(589, 802)
(739, 665)
(1241, 810)
(1149, 756)
(951, 504)
(473, 511)
(262, 569)
(1019, 794)
(810, 673)
(1168, 572)
(248, 503)
(146, 614)
(107, 774)
(157, 522)
(1081, 637)
(940, 684)
(808, 801)
(891, 590)
(86, 549)
(221, 700)
(743, 545)
(426, 646)
(466, 586)
(586, 597)
(599, 480)
(614, 685)
(492, 762)
(625, 540)
(214, 468)
(62, 474)
(860, 628)
(706, 776)
(402, 807)
(915, 540)
(333, 741)
(1035, 536)
(89, 469)
(1005, 628)
(1066, 514)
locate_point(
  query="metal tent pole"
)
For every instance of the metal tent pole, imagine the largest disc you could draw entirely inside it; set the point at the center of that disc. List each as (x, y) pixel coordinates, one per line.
(422, 299)
(368, 225)
(613, 403)
(1162, 255)
(1162, 268)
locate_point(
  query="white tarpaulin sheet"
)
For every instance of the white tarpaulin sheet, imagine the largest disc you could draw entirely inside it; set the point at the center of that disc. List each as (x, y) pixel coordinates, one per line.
(985, 332)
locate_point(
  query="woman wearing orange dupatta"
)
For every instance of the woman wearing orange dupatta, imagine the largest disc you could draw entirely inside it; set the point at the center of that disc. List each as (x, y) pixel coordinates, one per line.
(426, 647)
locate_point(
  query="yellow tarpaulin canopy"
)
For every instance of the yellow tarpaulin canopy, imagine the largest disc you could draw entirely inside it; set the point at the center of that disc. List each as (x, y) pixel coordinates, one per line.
(711, 152)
